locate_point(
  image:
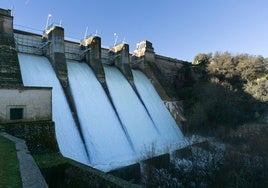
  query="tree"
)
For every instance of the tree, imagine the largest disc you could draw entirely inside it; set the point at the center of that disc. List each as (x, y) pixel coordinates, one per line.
(228, 91)
(202, 58)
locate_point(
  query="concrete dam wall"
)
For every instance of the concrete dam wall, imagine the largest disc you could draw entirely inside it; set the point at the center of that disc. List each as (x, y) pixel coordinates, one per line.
(107, 112)
(110, 140)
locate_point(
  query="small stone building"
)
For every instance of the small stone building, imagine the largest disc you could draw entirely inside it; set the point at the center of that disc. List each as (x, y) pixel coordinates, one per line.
(25, 104)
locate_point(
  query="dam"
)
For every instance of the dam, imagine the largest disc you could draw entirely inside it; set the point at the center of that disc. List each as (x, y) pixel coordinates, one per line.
(107, 105)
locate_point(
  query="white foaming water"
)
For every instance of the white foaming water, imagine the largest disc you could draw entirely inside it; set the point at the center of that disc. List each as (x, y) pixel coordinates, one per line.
(150, 129)
(132, 113)
(162, 118)
(37, 71)
(104, 136)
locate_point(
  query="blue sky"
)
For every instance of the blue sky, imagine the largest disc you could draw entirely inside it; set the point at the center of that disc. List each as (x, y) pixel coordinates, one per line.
(177, 28)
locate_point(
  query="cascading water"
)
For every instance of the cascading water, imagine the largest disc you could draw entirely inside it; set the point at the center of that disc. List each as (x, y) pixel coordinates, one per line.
(105, 138)
(37, 71)
(162, 118)
(132, 113)
(145, 126)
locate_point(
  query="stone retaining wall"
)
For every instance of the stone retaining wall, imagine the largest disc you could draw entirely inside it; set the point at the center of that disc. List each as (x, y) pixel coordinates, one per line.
(39, 136)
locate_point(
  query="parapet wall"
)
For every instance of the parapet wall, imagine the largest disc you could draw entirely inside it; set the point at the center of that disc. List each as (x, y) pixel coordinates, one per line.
(169, 67)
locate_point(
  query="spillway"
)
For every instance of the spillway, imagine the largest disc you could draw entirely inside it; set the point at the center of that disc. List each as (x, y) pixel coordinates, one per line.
(37, 71)
(162, 118)
(104, 136)
(117, 133)
(132, 113)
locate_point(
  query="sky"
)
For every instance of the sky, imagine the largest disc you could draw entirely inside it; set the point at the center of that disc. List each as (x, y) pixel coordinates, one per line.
(178, 29)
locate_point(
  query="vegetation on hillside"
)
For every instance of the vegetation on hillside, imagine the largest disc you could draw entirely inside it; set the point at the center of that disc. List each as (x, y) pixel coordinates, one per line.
(225, 96)
(222, 90)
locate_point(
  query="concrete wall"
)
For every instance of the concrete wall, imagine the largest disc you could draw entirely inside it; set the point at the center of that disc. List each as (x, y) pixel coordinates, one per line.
(169, 67)
(6, 21)
(73, 174)
(35, 102)
(6, 28)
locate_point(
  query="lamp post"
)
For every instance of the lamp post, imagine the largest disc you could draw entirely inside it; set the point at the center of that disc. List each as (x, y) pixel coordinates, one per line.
(48, 18)
(85, 36)
(115, 39)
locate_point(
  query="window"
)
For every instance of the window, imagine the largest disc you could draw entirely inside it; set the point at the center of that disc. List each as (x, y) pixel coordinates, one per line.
(16, 113)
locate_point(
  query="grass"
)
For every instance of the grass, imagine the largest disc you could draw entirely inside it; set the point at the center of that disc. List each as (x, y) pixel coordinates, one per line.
(9, 165)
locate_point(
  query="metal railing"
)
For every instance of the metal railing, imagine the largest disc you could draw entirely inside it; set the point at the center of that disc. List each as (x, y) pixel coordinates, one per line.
(28, 44)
